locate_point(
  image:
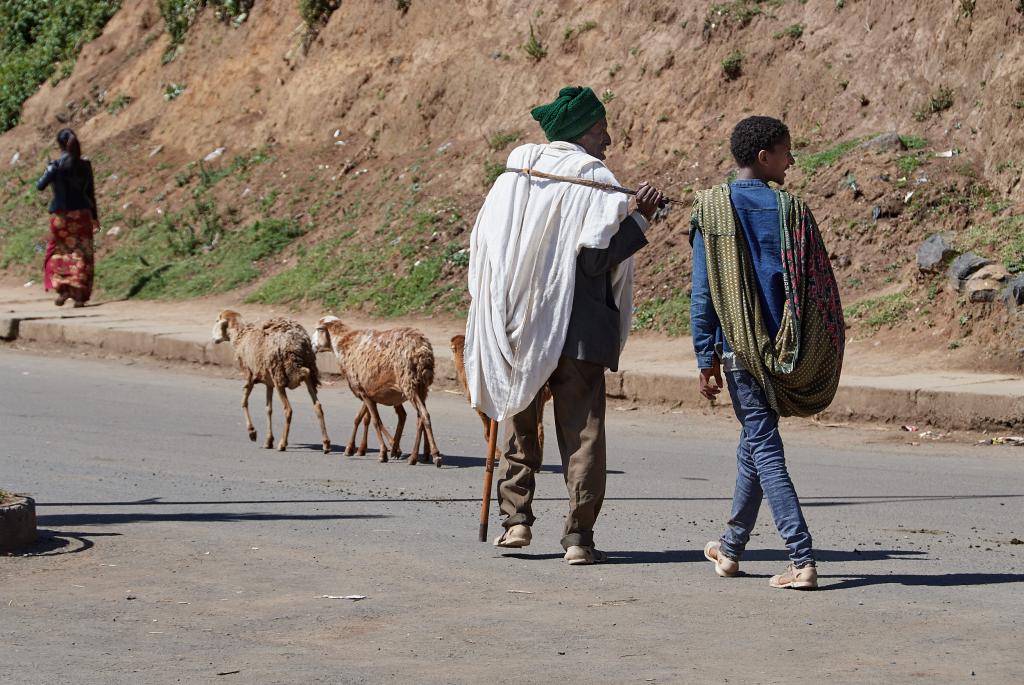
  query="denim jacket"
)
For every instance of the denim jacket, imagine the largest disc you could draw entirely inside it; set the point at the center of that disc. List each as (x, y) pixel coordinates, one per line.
(757, 212)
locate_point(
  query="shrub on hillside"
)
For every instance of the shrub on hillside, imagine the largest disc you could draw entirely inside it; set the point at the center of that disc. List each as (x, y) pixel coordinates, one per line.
(40, 39)
(316, 12)
(732, 66)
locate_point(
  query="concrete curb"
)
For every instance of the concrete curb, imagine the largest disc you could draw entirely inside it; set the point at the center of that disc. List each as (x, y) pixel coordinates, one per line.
(17, 524)
(944, 409)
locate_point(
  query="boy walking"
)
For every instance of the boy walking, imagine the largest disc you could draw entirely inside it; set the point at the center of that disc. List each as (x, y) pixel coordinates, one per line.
(765, 310)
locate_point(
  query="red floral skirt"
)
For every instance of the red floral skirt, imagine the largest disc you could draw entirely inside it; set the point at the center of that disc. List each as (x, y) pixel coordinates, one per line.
(69, 262)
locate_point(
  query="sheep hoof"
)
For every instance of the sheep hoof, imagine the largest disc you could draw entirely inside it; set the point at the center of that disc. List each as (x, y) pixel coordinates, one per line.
(252, 435)
(268, 444)
(281, 447)
(437, 459)
(383, 456)
(361, 452)
(327, 446)
(350, 450)
(413, 460)
(396, 453)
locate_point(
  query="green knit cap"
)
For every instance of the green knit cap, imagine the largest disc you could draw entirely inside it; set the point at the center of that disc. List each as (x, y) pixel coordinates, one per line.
(573, 112)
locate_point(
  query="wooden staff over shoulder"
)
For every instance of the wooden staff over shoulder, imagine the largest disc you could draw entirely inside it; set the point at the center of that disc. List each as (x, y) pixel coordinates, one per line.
(586, 182)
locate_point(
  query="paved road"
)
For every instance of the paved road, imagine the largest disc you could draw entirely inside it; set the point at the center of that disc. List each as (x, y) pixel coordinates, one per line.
(176, 551)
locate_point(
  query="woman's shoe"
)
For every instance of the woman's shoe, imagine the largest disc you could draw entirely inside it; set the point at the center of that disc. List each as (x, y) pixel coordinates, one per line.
(61, 299)
(78, 303)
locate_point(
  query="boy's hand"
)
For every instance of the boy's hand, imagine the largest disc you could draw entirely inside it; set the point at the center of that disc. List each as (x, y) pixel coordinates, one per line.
(648, 198)
(707, 389)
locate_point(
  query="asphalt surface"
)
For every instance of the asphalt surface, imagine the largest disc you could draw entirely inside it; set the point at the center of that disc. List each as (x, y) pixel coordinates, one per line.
(175, 550)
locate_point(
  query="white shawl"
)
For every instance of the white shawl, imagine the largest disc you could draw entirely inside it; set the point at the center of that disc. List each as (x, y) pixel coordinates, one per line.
(522, 271)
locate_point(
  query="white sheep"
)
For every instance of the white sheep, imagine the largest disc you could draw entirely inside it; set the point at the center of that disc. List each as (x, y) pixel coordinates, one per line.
(384, 367)
(278, 354)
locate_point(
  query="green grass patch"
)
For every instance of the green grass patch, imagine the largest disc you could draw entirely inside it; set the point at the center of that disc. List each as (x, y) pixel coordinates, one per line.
(579, 29)
(492, 170)
(40, 40)
(190, 254)
(534, 48)
(400, 271)
(794, 31)
(908, 164)
(875, 312)
(914, 142)
(738, 12)
(500, 140)
(669, 315)
(732, 65)
(1002, 237)
(24, 230)
(810, 163)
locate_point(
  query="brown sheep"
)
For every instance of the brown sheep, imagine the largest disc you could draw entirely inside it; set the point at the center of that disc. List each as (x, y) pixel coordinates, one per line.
(458, 345)
(277, 353)
(384, 367)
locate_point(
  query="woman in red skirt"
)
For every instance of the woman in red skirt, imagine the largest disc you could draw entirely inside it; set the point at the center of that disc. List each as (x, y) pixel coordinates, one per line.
(69, 262)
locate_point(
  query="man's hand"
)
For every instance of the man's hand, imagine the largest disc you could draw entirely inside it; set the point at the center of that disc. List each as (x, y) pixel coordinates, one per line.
(707, 388)
(648, 199)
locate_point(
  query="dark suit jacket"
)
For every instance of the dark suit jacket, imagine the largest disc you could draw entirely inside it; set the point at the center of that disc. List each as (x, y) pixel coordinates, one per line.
(594, 324)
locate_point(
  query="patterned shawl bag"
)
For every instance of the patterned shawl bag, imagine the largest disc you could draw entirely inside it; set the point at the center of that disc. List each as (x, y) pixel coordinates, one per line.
(799, 370)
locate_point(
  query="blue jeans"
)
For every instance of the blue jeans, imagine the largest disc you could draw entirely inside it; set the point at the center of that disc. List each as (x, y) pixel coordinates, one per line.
(761, 471)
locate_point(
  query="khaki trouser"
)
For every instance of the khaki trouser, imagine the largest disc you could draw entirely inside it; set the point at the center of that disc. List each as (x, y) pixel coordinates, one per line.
(577, 390)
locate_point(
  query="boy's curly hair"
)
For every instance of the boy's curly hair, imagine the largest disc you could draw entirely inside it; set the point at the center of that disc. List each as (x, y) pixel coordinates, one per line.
(754, 134)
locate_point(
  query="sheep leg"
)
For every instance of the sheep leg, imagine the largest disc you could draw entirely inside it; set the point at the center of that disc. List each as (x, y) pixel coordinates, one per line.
(366, 432)
(396, 449)
(268, 443)
(319, 409)
(385, 447)
(249, 383)
(487, 424)
(283, 394)
(362, 417)
(421, 409)
(414, 456)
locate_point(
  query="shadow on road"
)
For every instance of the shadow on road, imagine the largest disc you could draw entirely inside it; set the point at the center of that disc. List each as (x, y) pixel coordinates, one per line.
(846, 501)
(824, 501)
(51, 543)
(191, 517)
(463, 462)
(937, 580)
(686, 556)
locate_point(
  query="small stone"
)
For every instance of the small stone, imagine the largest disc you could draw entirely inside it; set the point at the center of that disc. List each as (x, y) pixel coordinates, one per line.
(980, 290)
(1013, 293)
(963, 266)
(992, 272)
(934, 251)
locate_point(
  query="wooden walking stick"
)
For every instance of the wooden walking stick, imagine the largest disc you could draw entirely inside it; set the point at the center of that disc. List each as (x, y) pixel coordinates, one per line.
(586, 182)
(485, 506)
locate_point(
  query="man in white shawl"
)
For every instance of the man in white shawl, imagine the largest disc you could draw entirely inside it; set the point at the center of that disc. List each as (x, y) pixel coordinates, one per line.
(551, 280)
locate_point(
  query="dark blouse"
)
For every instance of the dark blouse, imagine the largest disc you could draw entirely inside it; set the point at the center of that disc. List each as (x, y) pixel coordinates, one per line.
(73, 186)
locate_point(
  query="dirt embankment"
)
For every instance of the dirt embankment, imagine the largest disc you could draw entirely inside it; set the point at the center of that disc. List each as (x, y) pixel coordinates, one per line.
(378, 140)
